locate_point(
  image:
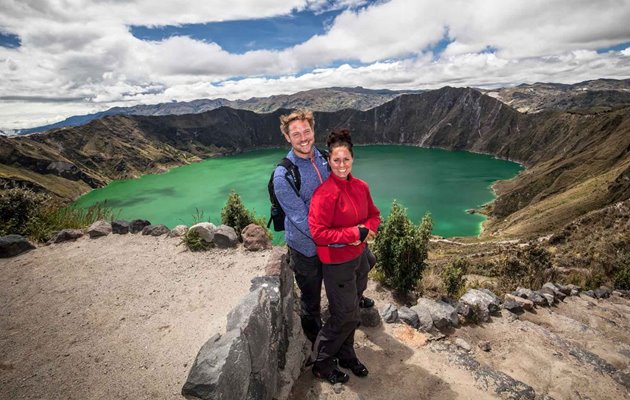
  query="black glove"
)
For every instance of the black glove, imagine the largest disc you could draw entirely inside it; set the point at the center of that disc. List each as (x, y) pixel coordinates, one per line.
(363, 232)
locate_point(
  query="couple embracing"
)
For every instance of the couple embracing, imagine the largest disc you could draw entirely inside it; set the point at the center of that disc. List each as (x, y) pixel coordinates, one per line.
(328, 222)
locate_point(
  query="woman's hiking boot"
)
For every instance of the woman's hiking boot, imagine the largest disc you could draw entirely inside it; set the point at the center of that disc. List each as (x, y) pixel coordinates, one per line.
(355, 366)
(334, 376)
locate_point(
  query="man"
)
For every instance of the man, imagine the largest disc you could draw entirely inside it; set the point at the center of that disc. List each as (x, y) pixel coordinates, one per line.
(298, 130)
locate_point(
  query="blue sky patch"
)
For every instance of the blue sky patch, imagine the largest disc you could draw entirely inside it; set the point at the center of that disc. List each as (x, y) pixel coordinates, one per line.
(617, 47)
(9, 40)
(241, 36)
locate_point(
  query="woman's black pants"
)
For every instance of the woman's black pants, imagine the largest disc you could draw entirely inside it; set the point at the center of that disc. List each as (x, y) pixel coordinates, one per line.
(336, 338)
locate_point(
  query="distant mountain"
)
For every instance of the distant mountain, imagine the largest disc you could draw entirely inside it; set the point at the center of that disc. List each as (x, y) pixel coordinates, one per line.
(577, 161)
(328, 99)
(602, 93)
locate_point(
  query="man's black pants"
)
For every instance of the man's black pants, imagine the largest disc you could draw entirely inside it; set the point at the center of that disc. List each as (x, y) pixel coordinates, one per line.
(308, 275)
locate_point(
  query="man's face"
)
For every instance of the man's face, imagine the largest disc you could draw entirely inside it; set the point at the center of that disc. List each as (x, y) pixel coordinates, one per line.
(301, 137)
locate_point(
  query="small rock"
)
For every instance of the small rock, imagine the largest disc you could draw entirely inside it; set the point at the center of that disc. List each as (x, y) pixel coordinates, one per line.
(225, 236)
(137, 225)
(370, 317)
(564, 289)
(482, 303)
(66, 235)
(590, 293)
(409, 317)
(99, 228)
(512, 306)
(389, 313)
(526, 304)
(178, 231)
(12, 245)
(484, 345)
(549, 298)
(155, 230)
(337, 388)
(425, 320)
(120, 227)
(602, 292)
(462, 344)
(465, 311)
(205, 230)
(255, 238)
(556, 291)
(443, 314)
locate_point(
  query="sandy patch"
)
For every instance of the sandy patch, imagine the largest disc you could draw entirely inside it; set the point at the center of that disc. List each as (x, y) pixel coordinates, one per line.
(121, 316)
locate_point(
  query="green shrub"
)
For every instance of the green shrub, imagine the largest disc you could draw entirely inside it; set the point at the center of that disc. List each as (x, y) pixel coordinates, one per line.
(401, 248)
(453, 277)
(195, 242)
(235, 214)
(17, 208)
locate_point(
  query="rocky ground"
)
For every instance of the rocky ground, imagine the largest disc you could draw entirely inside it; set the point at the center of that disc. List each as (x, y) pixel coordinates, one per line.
(578, 349)
(123, 316)
(117, 317)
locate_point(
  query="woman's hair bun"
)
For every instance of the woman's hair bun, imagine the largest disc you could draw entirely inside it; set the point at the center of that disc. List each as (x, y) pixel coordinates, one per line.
(339, 137)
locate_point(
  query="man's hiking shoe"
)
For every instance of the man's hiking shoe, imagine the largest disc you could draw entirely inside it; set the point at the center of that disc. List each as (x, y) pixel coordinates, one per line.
(366, 302)
(334, 376)
(355, 366)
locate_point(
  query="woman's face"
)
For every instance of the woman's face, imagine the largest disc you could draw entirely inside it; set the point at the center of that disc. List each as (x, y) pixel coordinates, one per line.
(341, 162)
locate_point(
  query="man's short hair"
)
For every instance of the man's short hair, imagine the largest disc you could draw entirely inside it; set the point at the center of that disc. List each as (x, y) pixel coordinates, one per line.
(299, 114)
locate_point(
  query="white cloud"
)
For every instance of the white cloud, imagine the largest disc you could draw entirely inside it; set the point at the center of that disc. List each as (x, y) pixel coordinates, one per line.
(85, 50)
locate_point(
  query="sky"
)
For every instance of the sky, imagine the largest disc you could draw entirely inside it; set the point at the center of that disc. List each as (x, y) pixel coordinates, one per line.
(60, 58)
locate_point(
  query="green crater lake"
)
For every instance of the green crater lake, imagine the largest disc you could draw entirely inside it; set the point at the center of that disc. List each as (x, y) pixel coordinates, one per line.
(445, 183)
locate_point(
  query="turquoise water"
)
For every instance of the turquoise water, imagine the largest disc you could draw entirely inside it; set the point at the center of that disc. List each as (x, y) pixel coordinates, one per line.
(445, 183)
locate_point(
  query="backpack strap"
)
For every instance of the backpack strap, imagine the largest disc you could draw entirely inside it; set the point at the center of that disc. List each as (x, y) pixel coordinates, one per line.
(293, 174)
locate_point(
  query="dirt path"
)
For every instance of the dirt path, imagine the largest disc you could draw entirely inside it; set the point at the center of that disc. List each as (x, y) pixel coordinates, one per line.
(119, 317)
(579, 349)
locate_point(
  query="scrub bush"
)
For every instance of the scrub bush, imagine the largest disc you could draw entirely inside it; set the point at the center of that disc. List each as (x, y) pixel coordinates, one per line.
(453, 277)
(401, 248)
(38, 216)
(235, 214)
(529, 267)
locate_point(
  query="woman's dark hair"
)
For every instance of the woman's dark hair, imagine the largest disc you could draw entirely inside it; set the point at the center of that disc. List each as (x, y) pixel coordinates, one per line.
(339, 138)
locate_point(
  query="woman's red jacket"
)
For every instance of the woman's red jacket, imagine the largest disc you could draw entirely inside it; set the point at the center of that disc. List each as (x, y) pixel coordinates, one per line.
(337, 207)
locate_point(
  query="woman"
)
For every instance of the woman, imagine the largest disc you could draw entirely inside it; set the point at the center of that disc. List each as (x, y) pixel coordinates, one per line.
(342, 217)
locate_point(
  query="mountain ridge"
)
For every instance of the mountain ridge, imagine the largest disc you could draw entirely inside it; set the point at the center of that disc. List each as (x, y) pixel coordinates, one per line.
(583, 153)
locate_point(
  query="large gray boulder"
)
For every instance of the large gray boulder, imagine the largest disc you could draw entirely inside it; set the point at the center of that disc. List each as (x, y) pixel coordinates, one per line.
(221, 370)
(66, 235)
(529, 294)
(120, 227)
(602, 292)
(155, 230)
(442, 314)
(483, 303)
(255, 238)
(225, 237)
(205, 230)
(99, 228)
(252, 316)
(12, 245)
